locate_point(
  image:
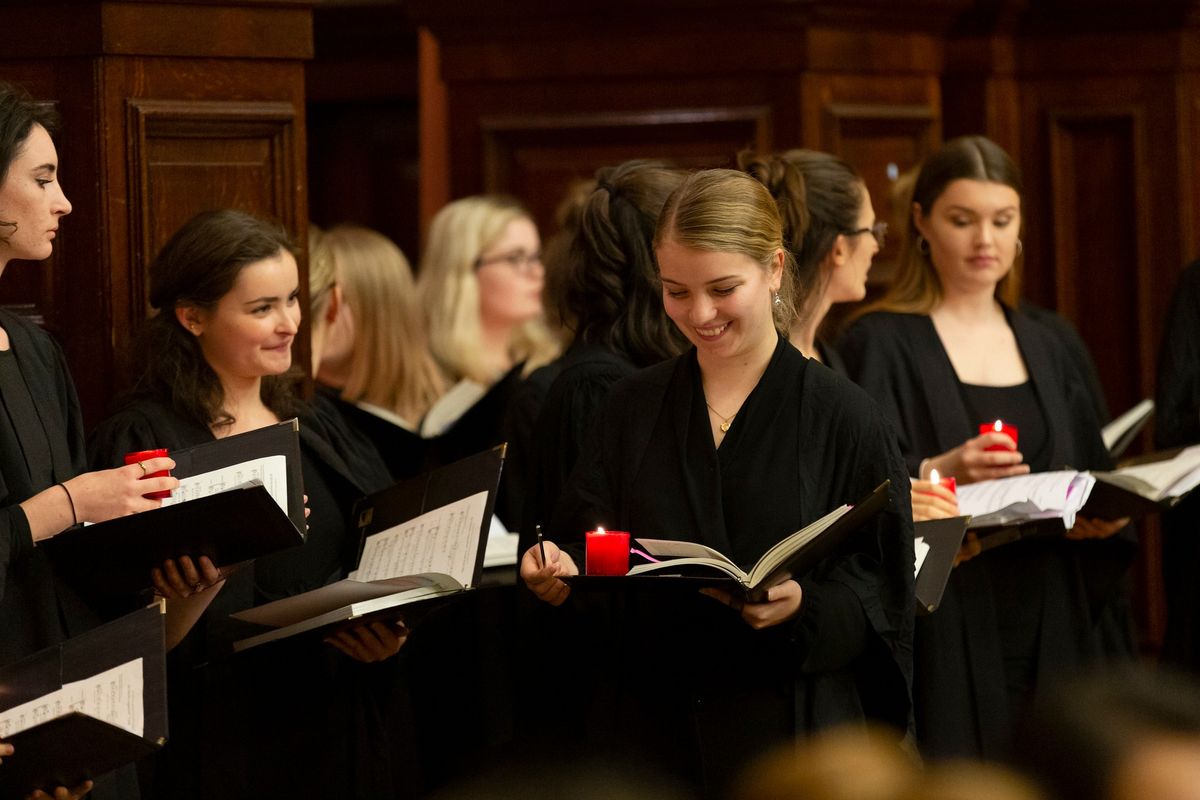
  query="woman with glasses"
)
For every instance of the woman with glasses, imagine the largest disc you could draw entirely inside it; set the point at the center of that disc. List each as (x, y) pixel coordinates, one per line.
(480, 284)
(736, 443)
(831, 232)
(945, 350)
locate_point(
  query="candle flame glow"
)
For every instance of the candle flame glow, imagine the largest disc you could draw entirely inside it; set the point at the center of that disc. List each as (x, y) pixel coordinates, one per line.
(933, 476)
(999, 426)
(600, 530)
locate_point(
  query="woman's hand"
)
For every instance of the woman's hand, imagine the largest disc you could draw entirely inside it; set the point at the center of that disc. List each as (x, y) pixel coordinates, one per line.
(968, 549)
(180, 578)
(972, 462)
(1095, 528)
(109, 493)
(782, 604)
(62, 793)
(6, 749)
(932, 501)
(543, 579)
(369, 642)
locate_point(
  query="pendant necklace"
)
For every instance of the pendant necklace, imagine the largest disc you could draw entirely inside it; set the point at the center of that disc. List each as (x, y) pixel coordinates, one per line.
(725, 421)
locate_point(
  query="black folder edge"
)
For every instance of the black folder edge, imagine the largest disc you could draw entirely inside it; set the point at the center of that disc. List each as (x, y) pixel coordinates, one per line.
(67, 750)
(441, 486)
(944, 537)
(230, 527)
(799, 564)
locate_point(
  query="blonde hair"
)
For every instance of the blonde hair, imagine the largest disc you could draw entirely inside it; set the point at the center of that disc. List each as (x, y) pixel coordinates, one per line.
(390, 366)
(916, 288)
(322, 276)
(727, 211)
(449, 292)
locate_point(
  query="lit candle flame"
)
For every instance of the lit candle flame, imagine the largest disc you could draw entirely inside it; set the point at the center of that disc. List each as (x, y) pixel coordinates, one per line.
(599, 530)
(999, 426)
(933, 476)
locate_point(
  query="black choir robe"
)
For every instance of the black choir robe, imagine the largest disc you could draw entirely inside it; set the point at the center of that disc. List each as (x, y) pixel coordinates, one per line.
(37, 608)
(682, 681)
(960, 693)
(1176, 424)
(293, 719)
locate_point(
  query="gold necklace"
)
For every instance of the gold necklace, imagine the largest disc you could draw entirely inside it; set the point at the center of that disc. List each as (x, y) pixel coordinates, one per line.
(725, 421)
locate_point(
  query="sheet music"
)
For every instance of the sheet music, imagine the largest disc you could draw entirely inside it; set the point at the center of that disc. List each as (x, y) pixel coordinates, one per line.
(921, 548)
(1026, 497)
(443, 540)
(1174, 476)
(271, 470)
(114, 696)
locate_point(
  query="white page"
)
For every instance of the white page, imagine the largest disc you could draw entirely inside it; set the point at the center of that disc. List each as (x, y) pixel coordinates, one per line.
(1113, 431)
(1171, 477)
(921, 548)
(443, 540)
(1045, 494)
(270, 470)
(114, 696)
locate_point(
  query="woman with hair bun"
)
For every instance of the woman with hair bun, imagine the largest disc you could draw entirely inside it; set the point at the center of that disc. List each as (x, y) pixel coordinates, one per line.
(736, 444)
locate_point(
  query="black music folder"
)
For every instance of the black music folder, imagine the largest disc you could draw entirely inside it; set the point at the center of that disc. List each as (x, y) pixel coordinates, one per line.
(54, 700)
(421, 540)
(226, 512)
(687, 565)
(944, 538)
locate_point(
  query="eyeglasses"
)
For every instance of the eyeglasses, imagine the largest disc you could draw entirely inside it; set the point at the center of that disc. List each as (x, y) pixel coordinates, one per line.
(518, 261)
(878, 230)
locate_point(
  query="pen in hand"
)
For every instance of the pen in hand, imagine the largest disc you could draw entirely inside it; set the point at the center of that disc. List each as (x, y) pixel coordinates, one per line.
(541, 544)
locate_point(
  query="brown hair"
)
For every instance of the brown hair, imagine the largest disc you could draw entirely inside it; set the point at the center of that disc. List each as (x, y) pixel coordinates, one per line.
(916, 288)
(18, 114)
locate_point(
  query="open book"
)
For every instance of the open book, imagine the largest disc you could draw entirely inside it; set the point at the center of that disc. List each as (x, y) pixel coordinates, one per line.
(1121, 432)
(422, 539)
(85, 707)
(1150, 483)
(238, 498)
(792, 556)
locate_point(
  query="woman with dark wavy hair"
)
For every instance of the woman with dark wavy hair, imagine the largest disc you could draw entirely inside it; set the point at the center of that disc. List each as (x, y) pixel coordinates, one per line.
(217, 362)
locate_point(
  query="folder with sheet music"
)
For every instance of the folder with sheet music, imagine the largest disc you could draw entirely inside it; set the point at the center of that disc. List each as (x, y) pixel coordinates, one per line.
(83, 708)
(239, 498)
(421, 541)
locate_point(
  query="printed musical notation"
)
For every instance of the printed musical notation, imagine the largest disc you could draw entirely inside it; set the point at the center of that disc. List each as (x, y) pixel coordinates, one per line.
(271, 471)
(444, 540)
(114, 696)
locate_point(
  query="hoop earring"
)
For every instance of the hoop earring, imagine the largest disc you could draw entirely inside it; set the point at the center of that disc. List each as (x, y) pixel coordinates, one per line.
(922, 245)
(1020, 247)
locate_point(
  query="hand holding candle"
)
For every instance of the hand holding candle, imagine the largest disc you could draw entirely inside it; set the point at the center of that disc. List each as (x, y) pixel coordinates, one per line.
(607, 552)
(1000, 426)
(935, 498)
(146, 455)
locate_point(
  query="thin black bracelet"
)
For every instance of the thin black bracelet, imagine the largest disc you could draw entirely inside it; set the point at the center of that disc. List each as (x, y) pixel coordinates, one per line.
(71, 500)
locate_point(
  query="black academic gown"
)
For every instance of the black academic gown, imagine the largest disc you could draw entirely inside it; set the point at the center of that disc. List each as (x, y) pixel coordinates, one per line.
(295, 719)
(681, 680)
(402, 450)
(37, 608)
(1177, 423)
(963, 703)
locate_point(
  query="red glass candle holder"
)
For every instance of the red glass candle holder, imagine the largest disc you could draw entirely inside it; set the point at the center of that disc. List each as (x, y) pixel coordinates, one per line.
(144, 455)
(607, 552)
(999, 426)
(947, 482)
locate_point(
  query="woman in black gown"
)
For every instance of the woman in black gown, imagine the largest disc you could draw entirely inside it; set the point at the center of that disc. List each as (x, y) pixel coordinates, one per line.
(43, 486)
(218, 362)
(736, 444)
(945, 350)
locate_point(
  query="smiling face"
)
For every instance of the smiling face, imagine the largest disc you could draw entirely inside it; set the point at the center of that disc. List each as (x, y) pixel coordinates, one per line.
(249, 333)
(511, 276)
(720, 301)
(852, 256)
(32, 199)
(972, 232)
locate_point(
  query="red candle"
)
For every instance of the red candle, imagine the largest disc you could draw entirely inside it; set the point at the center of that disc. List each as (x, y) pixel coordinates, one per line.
(607, 552)
(999, 426)
(143, 455)
(949, 482)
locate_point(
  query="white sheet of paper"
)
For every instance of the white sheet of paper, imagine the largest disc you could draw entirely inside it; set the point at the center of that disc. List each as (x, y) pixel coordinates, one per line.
(271, 470)
(1044, 494)
(443, 540)
(114, 696)
(1174, 476)
(921, 548)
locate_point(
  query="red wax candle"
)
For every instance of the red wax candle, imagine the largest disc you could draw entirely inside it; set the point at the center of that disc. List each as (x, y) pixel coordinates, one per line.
(999, 426)
(607, 552)
(949, 482)
(143, 455)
